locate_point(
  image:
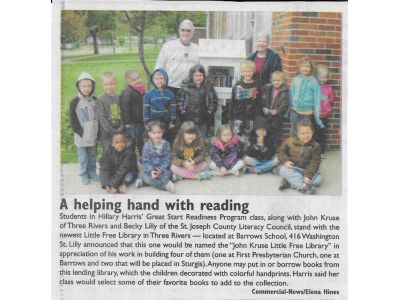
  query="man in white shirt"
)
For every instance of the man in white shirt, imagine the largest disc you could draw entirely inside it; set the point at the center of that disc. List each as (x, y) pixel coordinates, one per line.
(178, 56)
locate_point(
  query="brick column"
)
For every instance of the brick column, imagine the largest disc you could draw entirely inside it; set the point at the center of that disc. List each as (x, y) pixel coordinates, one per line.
(319, 36)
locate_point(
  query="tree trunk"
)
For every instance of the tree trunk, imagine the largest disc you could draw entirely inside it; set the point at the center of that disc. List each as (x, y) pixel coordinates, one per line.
(93, 33)
(141, 44)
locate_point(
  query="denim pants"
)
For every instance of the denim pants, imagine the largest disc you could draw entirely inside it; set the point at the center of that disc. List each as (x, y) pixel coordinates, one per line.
(295, 176)
(263, 166)
(203, 130)
(136, 132)
(160, 182)
(87, 161)
(295, 117)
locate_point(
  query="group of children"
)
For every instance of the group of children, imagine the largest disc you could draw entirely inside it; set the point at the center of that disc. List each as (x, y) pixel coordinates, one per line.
(169, 131)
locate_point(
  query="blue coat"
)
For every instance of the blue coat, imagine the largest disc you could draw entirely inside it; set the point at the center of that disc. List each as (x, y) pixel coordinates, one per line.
(153, 160)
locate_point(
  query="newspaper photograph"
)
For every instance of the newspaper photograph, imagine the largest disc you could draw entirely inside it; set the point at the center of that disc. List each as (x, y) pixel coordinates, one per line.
(199, 150)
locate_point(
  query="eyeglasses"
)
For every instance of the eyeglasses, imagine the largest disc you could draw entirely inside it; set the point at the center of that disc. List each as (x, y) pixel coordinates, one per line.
(187, 30)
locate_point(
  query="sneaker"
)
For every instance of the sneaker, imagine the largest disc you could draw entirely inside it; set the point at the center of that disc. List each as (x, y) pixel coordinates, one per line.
(284, 185)
(94, 177)
(308, 190)
(274, 171)
(170, 187)
(251, 170)
(243, 170)
(176, 177)
(139, 183)
(323, 155)
(204, 175)
(237, 173)
(85, 180)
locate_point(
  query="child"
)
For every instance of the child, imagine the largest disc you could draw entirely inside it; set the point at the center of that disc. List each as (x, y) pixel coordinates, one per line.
(160, 104)
(198, 99)
(84, 123)
(260, 155)
(300, 157)
(326, 104)
(244, 104)
(118, 166)
(108, 111)
(225, 153)
(188, 154)
(305, 96)
(131, 101)
(275, 103)
(156, 159)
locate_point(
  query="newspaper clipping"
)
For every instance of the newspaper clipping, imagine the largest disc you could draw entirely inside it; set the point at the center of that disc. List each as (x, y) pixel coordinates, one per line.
(199, 150)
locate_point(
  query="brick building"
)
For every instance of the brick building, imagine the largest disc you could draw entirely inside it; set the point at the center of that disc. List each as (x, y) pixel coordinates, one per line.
(293, 35)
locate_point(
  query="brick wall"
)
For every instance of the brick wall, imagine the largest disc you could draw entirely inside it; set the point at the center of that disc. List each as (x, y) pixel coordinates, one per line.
(319, 36)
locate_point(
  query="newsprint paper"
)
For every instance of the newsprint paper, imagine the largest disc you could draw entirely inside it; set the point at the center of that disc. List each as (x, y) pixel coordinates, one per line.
(124, 226)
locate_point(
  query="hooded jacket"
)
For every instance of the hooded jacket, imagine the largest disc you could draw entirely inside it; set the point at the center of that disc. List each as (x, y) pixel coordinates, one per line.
(226, 155)
(306, 156)
(82, 115)
(197, 103)
(260, 152)
(272, 63)
(131, 101)
(115, 165)
(305, 96)
(281, 103)
(159, 105)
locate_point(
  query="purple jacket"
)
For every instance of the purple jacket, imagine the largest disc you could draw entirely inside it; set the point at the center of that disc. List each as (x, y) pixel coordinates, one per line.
(226, 155)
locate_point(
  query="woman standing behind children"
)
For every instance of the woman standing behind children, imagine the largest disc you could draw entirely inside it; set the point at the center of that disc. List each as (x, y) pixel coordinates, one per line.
(84, 123)
(108, 111)
(160, 104)
(156, 160)
(131, 101)
(188, 154)
(260, 155)
(244, 104)
(305, 96)
(118, 166)
(275, 104)
(326, 104)
(300, 157)
(198, 99)
(225, 153)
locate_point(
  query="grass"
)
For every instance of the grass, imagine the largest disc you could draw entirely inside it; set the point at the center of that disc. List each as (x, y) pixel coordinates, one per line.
(95, 65)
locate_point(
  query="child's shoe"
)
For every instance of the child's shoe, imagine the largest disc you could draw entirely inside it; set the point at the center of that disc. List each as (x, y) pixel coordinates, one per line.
(251, 170)
(204, 175)
(284, 184)
(85, 180)
(274, 171)
(243, 170)
(175, 177)
(139, 183)
(323, 155)
(308, 190)
(94, 177)
(170, 187)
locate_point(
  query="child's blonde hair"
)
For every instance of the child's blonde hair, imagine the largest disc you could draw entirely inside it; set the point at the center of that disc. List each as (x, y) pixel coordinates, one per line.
(130, 73)
(279, 74)
(303, 61)
(248, 64)
(323, 69)
(108, 76)
(304, 123)
(188, 127)
(223, 128)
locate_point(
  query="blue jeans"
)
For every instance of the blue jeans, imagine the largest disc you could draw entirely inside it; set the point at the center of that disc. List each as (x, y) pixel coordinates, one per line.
(129, 178)
(295, 176)
(263, 166)
(203, 130)
(160, 182)
(136, 132)
(87, 161)
(294, 118)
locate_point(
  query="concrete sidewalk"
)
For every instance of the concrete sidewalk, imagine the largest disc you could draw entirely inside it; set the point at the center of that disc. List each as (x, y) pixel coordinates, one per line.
(247, 184)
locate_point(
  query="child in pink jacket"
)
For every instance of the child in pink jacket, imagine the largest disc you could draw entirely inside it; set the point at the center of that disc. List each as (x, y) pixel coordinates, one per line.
(326, 104)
